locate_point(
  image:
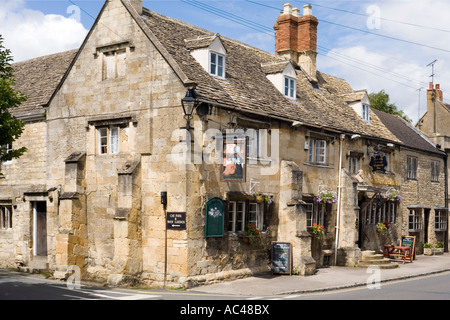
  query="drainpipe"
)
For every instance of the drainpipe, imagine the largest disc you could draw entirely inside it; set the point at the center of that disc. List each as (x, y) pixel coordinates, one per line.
(446, 196)
(342, 137)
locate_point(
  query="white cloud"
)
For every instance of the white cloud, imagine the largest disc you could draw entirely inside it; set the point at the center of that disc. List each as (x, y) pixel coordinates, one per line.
(31, 33)
(377, 63)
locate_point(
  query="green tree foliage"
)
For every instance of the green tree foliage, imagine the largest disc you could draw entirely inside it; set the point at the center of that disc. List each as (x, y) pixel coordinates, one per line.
(10, 127)
(380, 101)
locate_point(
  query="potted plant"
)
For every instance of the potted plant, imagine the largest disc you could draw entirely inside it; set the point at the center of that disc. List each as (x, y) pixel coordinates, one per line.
(393, 195)
(317, 231)
(326, 196)
(252, 234)
(439, 248)
(427, 249)
(383, 227)
(262, 197)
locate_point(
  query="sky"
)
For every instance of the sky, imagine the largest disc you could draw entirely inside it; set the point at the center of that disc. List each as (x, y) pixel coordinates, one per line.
(374, 45)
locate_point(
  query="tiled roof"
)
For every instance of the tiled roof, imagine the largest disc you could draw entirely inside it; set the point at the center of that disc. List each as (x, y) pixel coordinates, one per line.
(37, 79)
(247, 88)
(409, 136)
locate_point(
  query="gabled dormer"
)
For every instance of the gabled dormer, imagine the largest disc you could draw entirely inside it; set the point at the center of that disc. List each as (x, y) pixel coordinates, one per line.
(210, 53)
(283, 76)
(359, 101)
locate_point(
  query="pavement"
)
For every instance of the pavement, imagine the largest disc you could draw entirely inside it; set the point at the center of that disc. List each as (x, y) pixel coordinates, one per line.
(327, 279)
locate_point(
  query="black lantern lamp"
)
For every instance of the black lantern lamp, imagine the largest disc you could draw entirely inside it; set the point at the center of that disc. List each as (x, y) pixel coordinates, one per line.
(189, 103)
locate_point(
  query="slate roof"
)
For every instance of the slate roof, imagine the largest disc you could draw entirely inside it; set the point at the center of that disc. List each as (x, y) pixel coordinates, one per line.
(409, 136)
(37, 79)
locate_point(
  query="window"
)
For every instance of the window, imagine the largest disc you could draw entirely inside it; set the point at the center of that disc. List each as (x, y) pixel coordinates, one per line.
(366, 112)
(415, 220)
(114, 64)
(411, 168)
(289, 87)
(353, 165)
(375, 212)
(435, 171)
(317, 151)
(108, 138)
(8, 149)
(5, 217)
(241, 213)
(440, 220)
(315, 213)
(217, 65)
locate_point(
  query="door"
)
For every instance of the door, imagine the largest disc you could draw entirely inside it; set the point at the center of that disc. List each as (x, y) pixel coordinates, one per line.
(40, 228)
(426, 224)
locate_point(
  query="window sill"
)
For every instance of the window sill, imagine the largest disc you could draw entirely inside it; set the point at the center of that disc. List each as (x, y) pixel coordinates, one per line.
(320, 165)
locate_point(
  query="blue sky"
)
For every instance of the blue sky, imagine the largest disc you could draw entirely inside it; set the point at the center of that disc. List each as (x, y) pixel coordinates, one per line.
(374, 45)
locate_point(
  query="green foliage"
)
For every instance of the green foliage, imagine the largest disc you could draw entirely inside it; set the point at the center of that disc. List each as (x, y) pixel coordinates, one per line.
(10, 127)
(380, 101)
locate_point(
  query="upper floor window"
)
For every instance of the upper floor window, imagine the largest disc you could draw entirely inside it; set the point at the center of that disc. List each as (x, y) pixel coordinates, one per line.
(411, 168)
(108, 139)
(435, 171)
(366, 112)
(8, 149)
(317, 151)
(289, 87)
(114, 64)
(217, 65)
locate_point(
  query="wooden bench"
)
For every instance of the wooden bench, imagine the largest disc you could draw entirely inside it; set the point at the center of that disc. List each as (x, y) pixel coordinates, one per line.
(397, 251)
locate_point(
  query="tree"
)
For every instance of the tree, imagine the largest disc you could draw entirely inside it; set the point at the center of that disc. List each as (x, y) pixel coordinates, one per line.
(10, 127)
(380, 101)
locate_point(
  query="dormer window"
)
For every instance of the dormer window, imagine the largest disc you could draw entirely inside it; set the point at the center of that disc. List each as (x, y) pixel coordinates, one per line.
(209, 53)
(217, 65)
(289, 87)
(359, 101)
(283, 76)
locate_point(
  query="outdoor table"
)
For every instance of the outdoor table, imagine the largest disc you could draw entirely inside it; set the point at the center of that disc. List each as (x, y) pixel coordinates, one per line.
(397, 251)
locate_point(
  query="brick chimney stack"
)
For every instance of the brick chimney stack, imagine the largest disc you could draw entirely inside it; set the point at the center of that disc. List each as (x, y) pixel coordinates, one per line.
(296, 37)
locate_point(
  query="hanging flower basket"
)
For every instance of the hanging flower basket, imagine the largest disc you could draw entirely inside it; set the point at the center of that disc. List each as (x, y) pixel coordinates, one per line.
(393, 195)
(262, 197)
(326, 196)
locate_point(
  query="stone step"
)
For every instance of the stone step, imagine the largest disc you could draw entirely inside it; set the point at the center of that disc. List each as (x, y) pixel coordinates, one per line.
(37, 265)
(391, 265)
(376, 260)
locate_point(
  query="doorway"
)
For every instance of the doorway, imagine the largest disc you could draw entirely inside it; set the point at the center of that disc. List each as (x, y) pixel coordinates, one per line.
(40, 228)
(426, 224)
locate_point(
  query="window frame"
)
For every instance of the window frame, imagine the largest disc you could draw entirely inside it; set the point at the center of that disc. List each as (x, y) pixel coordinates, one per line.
(6, 217)
(315, 213)
(435, 170)
(109, 140)
(289, 87)
(119, 64)
(313, 156)
(411, 168)
(440, 220)
(365, 112)
(415, 221)
(216, 64)
(353, 164)
(373, 213)
(240, 217)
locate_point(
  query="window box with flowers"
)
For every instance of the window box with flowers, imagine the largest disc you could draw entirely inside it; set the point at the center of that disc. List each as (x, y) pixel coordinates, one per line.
(251, 235)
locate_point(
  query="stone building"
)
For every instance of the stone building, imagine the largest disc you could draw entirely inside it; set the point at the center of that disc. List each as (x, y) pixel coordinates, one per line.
(129, 187)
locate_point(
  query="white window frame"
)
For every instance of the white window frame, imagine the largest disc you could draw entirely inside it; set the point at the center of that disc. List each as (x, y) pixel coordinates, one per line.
(440, 220)
(289, 87)
(317, 151)
(353, 164)
(237, 215)
(315, 213)
(217, 67)
(110, 135)
(415, 220)
(8, 150)
(366, 112)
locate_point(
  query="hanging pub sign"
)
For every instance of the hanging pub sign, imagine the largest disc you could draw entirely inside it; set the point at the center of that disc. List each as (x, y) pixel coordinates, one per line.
(214, 217)
(378, 162)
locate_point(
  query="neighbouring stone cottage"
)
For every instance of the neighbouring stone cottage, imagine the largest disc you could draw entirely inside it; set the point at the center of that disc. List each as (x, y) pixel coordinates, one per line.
(116, 182)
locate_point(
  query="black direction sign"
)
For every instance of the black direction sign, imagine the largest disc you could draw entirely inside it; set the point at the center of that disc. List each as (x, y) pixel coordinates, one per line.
(176, 220)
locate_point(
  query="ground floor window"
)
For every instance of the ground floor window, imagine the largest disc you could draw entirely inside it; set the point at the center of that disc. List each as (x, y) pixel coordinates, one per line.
(375, 212)
(5, 217)
(241, 213)
(440, 220)
(415, 220)
(315, 213)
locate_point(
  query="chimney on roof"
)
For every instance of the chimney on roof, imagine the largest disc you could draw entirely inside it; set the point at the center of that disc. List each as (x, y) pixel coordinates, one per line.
(434, 94)
(296, 37)
(137, 5)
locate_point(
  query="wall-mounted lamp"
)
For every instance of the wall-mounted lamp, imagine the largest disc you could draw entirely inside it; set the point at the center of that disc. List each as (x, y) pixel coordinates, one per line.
(189, 103)
(355, 136)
